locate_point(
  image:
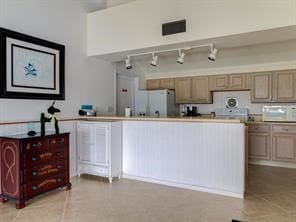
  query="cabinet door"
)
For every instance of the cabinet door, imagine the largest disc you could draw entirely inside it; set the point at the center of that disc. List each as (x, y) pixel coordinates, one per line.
(167, 83)
(283, 147)
(219, 82)
(100, 150)
(152, 84)
(284, 86)
(200, 91)
(237, 81)
(259, 146)
(261, 87)
(183, 90)
(84, 142)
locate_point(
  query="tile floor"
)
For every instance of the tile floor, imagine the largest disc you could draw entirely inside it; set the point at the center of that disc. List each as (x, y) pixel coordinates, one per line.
(270, 197)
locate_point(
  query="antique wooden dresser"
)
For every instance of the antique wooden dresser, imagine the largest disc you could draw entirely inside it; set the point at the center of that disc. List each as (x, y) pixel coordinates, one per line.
(31, 165)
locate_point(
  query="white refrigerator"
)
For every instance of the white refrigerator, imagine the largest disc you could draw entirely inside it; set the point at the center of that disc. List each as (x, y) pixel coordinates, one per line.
(152, 102)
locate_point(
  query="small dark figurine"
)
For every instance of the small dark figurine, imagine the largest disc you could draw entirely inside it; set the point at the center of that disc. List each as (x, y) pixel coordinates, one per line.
(51, 110)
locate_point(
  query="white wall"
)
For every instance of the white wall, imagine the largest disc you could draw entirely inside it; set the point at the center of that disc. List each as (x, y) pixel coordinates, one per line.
(88, 80)
(137, 25)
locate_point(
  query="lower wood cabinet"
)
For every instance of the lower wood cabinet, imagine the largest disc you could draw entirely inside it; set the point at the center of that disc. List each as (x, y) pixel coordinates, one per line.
(259, 146)
(284, 147)
(99, 148)
(275, 142)
(259, 141)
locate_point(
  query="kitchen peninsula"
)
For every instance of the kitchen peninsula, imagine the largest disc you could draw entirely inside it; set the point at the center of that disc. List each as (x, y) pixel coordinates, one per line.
(205, 154)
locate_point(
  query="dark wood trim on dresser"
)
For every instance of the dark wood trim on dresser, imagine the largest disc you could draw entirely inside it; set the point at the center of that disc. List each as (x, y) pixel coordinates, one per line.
(30, 166)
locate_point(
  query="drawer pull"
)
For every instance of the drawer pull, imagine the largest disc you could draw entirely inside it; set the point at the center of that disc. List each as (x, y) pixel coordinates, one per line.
(34, 188)
(59, 180)
(60, 141)
(34, 158)
(58, 153)
(34, 173)
(34, 145)
(59, 167)
(284, 129)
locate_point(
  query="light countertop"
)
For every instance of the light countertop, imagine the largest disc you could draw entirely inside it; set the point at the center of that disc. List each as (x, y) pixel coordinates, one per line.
(163, 119)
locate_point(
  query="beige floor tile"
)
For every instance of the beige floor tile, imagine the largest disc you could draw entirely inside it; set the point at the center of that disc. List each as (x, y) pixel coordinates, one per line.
(271, 195)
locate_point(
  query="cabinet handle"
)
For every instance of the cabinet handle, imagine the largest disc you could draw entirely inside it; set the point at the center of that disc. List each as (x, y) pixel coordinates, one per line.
(59, 167)
(34, 173)
(285, 129)
(34, 188)
(59, 180)
(34, 158)
(60, 141)
(58, 153)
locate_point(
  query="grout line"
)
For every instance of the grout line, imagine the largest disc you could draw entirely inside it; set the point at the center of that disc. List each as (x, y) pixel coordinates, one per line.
(17, 215)
(65, 204)
(271, 203)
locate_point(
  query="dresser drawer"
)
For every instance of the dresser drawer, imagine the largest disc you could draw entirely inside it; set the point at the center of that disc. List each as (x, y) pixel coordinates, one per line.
(258, 128)
(45, 170)
(44, 185)
(39, 158)
(33, 145)
(61, 141)
(283, 129)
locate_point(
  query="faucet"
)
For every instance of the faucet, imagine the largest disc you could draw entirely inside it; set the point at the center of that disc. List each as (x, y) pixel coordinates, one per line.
(157, 113)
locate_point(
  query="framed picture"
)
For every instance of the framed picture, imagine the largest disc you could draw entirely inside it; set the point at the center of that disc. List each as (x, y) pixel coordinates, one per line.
(31, 68)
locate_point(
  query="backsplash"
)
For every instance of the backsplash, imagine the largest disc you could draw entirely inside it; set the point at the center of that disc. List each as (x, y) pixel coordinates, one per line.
(219, 98)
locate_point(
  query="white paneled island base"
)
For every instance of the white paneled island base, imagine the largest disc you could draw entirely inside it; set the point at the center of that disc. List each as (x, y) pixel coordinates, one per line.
(203, 156)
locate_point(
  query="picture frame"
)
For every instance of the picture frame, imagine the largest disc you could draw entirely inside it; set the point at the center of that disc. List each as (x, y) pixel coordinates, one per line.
(31, 68)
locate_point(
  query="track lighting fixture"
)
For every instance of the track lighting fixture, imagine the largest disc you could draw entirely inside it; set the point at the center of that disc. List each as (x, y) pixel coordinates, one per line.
(181, 56)
(154, 59)
(212, 55)
(128, 64)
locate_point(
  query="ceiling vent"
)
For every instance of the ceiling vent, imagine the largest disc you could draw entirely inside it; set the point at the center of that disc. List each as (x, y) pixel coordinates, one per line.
(173, 27)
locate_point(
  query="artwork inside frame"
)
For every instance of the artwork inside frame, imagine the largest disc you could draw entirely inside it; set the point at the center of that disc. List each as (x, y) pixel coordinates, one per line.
(31, 68)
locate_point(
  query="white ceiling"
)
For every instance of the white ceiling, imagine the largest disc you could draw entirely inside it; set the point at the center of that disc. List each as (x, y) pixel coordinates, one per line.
(241, 40)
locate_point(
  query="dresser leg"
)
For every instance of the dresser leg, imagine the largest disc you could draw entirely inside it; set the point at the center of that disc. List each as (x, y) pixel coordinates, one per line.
(69, 186)
(110, 179)
(20, 204)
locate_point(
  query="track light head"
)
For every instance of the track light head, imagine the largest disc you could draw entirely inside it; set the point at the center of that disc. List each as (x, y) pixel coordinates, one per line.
(181, 57)
(212, 55)
(128, 64)
(154, 60)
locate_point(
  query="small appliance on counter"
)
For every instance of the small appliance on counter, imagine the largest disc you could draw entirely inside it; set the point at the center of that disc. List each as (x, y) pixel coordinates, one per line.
(232, 113)
(192, 111)
(87, 110)
(279, 113)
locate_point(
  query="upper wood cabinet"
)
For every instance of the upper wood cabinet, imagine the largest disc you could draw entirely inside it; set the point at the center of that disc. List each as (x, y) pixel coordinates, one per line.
(261, 87)
(193, 90)
(284, 86)
(183, 90)
(229, 82)
(278, 86)
(200, 91)
(153, 84)
(219, 82)
(168, 83)
(237, 81)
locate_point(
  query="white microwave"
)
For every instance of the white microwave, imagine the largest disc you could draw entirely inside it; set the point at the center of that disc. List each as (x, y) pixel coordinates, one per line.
(279, 113)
